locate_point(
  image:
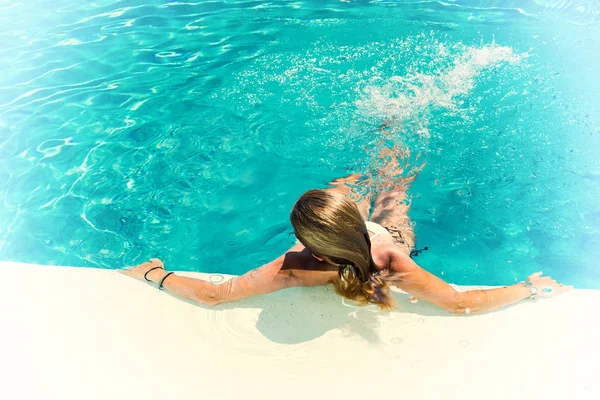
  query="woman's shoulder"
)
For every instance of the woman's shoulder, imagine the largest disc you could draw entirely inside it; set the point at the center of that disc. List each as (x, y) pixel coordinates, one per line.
(390, 256)
(381, 253)
(301, 269)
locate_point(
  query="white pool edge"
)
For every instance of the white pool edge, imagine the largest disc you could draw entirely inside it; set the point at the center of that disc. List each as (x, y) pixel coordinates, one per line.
(82, 333)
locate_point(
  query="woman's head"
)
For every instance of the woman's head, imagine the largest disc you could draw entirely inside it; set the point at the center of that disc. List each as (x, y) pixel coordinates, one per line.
(330, 226)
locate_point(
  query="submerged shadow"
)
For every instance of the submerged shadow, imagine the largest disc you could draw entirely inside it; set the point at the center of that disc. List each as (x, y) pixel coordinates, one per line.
(302, 314)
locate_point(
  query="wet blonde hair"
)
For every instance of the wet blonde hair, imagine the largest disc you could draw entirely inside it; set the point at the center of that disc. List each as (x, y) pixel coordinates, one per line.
(330, 225)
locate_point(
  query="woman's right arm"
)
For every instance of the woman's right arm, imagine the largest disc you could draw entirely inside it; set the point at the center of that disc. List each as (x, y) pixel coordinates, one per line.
(422, 284)
(261, 280)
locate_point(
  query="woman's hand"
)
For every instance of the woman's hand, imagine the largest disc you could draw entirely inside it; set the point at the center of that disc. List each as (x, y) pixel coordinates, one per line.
(139, 270)
(546, 286)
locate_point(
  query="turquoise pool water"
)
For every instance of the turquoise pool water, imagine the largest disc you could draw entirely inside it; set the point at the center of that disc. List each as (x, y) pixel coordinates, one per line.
(186, 131)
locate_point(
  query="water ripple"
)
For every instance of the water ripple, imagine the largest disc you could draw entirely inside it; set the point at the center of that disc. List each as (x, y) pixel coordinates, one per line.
(132, 128)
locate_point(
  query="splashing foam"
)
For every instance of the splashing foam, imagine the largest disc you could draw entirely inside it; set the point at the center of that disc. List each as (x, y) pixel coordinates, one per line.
(404, 102)
(406, 97)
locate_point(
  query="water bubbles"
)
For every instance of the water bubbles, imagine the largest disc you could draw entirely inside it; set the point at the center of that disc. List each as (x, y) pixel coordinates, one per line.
(455, 210)
(464, 192)
(513, 229)
(230, 244)
(406, 97)
(432, 211)
(489, 233)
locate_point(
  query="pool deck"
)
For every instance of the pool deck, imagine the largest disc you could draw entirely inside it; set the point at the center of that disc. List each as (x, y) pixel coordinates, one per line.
(81, 333)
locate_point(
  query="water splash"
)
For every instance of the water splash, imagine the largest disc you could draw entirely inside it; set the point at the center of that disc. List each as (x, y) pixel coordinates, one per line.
(402, 104)
(406, 97)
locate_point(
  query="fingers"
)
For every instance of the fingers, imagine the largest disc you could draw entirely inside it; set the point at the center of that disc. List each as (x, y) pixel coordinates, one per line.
(564, 288)
(554, 290)
(153, 262)
(156, 261)
(546, 279)
(534, 275)
(547, 287)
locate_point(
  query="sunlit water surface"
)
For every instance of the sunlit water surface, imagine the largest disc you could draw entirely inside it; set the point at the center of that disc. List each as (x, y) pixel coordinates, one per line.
(186, 131)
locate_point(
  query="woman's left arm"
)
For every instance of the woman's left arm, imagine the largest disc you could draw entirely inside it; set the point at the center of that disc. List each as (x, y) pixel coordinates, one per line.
(262, 280)
(423, 284)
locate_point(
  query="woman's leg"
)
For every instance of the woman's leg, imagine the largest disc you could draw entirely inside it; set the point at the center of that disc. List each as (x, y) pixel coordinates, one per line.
(391, 207)
(347, 187)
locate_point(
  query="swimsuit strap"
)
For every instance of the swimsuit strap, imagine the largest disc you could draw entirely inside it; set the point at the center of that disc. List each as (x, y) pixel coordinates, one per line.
(417, 252)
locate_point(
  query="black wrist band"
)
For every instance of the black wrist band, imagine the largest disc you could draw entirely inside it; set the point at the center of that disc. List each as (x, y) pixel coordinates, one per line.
(151, 269)
(162, 280)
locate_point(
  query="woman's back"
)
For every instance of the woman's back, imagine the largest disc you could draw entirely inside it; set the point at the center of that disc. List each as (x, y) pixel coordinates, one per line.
(306, 270)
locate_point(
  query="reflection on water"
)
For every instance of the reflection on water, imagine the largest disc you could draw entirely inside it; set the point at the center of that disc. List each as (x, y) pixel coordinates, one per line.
(186, 131)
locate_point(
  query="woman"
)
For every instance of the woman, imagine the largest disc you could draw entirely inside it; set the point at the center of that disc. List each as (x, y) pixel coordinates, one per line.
(339, 244)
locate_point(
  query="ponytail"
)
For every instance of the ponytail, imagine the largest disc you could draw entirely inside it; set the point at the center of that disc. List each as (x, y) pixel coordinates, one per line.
(330, 225)
(373, 290)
